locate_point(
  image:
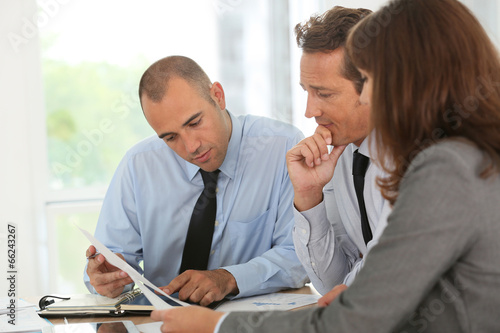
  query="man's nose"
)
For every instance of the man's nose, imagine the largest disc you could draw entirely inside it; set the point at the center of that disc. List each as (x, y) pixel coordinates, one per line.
(312, 109)
(191, 144)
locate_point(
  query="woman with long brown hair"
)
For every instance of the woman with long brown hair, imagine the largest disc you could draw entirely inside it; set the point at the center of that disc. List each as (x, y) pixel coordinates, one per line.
(433, 83)
(436, 76)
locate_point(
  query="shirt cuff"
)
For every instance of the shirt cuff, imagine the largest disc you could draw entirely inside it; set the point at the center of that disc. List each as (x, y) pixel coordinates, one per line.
(243, 279)
(219, 323)
(303, 225)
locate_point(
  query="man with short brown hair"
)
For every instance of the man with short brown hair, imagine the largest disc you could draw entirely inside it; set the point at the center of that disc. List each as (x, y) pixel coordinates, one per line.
(335, 225)
(205, 204)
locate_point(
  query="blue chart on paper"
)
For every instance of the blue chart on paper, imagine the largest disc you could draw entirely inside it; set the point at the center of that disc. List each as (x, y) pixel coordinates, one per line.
(267, 303)
(264, 304)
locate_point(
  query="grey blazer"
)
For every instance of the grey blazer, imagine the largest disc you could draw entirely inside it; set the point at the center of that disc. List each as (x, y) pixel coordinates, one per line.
(436, 267)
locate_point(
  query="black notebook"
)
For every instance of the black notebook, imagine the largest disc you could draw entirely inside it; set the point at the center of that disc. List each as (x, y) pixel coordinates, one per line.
(132, 302)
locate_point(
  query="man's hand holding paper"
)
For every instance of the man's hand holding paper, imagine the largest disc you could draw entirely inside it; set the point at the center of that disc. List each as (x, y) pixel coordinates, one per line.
(203, 287)
(107, 279)
(137, 278)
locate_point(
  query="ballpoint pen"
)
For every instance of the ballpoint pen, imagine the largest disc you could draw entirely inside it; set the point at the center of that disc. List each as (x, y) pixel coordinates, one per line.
(94, 255)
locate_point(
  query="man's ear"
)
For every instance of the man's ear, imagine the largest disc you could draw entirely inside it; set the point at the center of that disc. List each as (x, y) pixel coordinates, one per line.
(217, 94)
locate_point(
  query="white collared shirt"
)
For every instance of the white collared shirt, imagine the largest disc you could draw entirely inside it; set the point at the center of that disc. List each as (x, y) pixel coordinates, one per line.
(328, 238)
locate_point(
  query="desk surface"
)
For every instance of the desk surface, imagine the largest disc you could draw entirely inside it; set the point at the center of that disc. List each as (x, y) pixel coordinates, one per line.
(146, 318)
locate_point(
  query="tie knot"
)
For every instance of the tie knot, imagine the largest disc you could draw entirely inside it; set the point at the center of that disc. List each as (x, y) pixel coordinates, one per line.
(210, 178)
(360, 163)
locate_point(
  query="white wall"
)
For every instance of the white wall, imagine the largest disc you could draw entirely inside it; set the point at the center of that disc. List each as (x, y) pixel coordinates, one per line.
(21, 141)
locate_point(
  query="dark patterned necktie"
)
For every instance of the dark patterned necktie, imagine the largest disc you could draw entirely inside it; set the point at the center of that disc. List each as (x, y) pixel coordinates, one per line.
(359, 165)
(201, 228)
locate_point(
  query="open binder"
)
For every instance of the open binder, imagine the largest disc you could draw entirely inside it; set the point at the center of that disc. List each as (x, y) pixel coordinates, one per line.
(132, 302)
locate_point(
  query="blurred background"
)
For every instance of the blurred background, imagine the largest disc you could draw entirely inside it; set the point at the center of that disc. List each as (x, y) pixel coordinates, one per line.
(69, 110)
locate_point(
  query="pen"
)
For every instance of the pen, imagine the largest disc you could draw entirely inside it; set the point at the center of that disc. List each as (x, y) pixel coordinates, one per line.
(94, 255)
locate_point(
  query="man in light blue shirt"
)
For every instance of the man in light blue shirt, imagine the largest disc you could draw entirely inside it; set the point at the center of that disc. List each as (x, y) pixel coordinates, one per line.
(147, 209)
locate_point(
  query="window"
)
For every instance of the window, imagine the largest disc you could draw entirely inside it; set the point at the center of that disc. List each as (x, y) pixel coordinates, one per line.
(93, 55)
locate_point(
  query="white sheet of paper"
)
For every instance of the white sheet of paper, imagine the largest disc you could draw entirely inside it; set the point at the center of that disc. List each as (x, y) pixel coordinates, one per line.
(21, 304)
(139, 280)
(269, 302)
(27, 320)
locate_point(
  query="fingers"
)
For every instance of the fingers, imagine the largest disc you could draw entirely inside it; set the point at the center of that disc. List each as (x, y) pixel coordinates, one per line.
(106, 279)
(315, 150)
(331, 295)
(177, 283)
(205, 297)
(336, 152)
(196, 285)
(325, 134)
(312, 150)
(157, 315)
(97, 264)
(167, 317)
(181, 319)
(203, 287)
(90, 251)
(110, 284)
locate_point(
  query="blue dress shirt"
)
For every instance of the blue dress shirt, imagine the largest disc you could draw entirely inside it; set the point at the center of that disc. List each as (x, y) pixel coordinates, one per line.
(148, 206)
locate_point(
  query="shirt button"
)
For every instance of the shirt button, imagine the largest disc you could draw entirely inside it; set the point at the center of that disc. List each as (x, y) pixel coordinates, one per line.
(361, 255)
(313, 264)
(216, 223)
(212, 252)
(304, 231)
(216, 190)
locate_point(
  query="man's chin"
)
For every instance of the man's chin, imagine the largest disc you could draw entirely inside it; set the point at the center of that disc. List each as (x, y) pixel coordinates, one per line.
(208, 166)
(207, 169)
(345, 141)
(339, 142)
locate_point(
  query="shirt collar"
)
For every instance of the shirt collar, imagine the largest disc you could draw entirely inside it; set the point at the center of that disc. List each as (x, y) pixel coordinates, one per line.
(228, 167)
(368, 147)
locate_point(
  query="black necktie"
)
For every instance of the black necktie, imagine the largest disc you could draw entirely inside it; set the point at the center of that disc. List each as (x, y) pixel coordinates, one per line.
(201, 228)
(359, 165)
